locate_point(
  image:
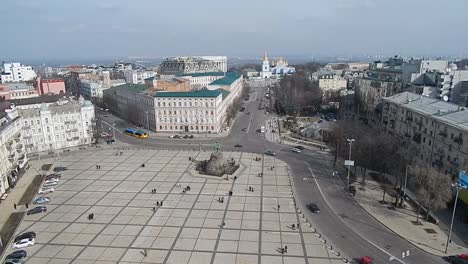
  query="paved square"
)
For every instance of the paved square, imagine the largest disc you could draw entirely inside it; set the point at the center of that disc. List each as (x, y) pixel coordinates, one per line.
(192, 227)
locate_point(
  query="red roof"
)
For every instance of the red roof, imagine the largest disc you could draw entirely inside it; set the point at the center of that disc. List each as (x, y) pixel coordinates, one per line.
(51, 80)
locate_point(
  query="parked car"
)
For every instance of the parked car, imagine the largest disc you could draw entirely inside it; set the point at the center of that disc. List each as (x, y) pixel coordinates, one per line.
(191, 136)
(27, 242)
(18, 254)
(13, 261)
(60, 168)
(313, 208)
(51, 180)
(270, 153)
(53, 176)
(352, 190)
(50, 184)
(238, 146)
(186, 136)
(45, 191)
(296, 150)
(25, 235)
(36, 210)
(41, 200)
(244, 129)
(457, 259)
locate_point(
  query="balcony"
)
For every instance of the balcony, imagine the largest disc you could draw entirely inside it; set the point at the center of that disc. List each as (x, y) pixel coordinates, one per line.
(418, 122)
(458, 140)
(409, 118)
(443, 134)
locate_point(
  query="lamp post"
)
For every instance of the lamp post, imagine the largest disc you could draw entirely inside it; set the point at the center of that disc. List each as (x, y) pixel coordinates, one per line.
(350, 140)
(459, 186)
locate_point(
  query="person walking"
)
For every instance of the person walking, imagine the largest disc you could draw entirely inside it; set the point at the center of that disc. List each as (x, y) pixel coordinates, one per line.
(285, 249)
(14, 205)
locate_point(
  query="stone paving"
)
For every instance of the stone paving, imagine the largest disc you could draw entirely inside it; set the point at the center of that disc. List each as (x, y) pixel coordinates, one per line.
(128, 227)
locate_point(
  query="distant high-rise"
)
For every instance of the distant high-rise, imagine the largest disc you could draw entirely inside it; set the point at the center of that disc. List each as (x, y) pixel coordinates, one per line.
(16, 72)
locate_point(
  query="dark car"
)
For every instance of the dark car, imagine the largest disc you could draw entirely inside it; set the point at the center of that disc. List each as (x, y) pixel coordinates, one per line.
(352, 190)
(25, 235)
(186, 136)
(190, 136)
(60, 168)
(36, 210)
(313, 208)
(53, 176)
(244, 129)
(458, 259)
(18, 254)
(238, 146)
(299, 147)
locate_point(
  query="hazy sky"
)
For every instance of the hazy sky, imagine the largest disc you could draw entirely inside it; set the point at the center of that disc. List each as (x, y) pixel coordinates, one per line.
(63, 29)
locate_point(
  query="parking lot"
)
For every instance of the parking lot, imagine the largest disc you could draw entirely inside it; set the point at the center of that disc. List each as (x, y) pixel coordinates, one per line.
(190, 227)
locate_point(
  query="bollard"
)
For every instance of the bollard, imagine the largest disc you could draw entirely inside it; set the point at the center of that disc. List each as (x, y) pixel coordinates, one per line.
(330, 247)
(319, 235)
(302, 215)
(345, 260)
(310, 226)
(337, 254)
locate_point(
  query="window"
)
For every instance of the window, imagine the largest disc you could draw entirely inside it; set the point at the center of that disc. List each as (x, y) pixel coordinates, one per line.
(451, 136)
(159, 104)
(25, 123)
(47, 120)
(160, 127)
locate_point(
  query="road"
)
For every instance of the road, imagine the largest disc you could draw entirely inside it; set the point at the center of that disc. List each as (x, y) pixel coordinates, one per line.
(344, 224)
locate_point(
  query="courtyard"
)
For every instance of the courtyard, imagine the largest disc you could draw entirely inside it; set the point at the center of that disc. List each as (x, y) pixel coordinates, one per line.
(193, 226)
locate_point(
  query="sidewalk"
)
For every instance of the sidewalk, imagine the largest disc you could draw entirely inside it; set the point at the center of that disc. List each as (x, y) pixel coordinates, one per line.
(426, 236)
(14, 197)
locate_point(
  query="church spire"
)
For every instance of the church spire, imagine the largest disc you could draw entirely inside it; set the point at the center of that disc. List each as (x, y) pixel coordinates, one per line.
(265, 57)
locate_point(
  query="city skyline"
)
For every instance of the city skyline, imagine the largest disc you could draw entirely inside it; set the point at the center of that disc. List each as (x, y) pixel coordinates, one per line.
(115, 29)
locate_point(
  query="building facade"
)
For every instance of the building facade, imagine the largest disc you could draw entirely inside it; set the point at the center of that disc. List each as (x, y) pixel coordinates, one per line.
(51, 126)
(332, 83)
(12, 150)
(16, 72)
(19, 90)
(137, 76)
(438, 129)
(187, 65)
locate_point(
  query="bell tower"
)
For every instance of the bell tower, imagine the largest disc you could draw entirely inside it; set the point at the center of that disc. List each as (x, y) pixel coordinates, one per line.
(266, 72)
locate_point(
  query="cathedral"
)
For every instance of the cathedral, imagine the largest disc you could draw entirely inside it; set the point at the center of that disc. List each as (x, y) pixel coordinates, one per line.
(280, 68)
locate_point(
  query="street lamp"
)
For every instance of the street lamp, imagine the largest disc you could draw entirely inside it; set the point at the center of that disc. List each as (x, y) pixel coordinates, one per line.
(350, 140)
(459, 186)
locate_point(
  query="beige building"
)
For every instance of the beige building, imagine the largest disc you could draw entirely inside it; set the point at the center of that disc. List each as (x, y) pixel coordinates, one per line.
(370, 92)
(332, 83)
(438, 129)
(168, 84)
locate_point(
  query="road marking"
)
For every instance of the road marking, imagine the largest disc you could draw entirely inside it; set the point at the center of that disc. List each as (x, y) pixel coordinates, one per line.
(334, 212)
(248, 127)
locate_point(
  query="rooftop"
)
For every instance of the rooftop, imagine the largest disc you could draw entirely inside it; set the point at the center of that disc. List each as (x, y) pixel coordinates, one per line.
(200, 93)
(133, 87)
(17, 86)
(228, 79)
(449, 113)
(202, 74)
(37, 100)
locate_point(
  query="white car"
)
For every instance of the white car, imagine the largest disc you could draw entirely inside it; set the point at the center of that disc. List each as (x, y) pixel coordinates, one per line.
(27, 242)
(296, 150)
(45, 190)
(51, 180)
(49, 185)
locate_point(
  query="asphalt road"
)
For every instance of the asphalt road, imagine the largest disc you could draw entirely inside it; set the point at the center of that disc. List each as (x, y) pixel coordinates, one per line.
(344, 224)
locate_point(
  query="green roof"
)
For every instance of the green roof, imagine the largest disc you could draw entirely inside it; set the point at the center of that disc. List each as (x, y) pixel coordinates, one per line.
(201, 74)
(200, 93)
(227, 80)
(133, 87)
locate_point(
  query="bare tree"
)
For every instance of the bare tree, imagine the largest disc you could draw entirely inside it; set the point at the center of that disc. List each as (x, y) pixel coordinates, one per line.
(432, 188)
(297, 94)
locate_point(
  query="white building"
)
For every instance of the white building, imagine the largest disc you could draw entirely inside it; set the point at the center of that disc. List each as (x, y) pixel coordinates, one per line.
(332, 83)
(50, 126)
(16, 72)
(12, 150)
(197, 64)
(92, 90)
(137, 77)
(203, 111)
(281, 67)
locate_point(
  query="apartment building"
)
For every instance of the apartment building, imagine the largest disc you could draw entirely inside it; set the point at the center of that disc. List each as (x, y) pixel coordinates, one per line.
(12, 150)
(17, 72)
(50, 123)
(438, 129)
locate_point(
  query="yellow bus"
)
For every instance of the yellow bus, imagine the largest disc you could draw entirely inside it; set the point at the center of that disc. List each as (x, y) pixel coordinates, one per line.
(135, 133)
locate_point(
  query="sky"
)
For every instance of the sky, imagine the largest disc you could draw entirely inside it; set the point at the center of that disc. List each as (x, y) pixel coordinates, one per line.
(86, 29)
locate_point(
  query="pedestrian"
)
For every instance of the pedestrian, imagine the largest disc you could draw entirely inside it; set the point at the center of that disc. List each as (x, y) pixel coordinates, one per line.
(27, 205)
(278, 207)
(230, 193)
(154, 209)
(297, 225)
(92, 216)
(293, 226)
(235, 177)
(96, 167)
(145, 252)
(157, 203)
(285, 249)
(121, 152)
(161, 203)
(252, 189)
(89, 217)
(14, 205)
